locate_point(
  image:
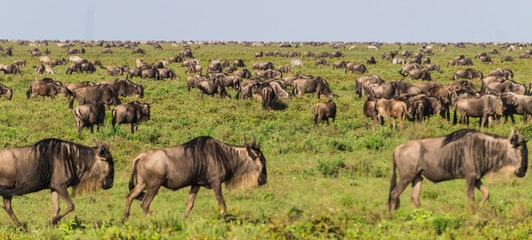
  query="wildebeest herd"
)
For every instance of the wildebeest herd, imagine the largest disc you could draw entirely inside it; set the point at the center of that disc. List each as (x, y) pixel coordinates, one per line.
(204, 161)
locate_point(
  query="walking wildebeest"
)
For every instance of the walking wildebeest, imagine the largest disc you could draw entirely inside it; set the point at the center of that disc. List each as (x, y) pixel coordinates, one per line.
(465, 153)
(133, 113)
(88, 115)
(323, 111)
(56, 165)
(203, 161)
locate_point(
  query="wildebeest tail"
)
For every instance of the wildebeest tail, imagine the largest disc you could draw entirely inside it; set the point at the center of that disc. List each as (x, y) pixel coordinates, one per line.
(71, 102)
(133, 178)
(28, 93)
(455, 118)
(393, 181)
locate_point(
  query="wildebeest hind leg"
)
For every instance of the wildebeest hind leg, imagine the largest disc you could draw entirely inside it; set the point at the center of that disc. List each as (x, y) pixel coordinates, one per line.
(399, 188)
(416, 190)
(150, 194)
(191, 197)
(484, 190)
(9, 210)
(137, 191)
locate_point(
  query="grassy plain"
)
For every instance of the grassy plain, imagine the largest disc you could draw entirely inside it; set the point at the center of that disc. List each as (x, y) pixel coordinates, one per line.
(325, 183)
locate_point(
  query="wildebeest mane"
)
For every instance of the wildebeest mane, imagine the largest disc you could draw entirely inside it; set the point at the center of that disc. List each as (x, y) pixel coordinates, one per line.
(460, 134)
(74, 157)
(209, 151)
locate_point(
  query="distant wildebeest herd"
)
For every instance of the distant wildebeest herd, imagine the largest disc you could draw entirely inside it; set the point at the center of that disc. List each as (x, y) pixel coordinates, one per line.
(204, 161)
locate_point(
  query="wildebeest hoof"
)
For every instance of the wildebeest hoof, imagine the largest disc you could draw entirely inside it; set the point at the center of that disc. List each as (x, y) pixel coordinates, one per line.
(55, 220)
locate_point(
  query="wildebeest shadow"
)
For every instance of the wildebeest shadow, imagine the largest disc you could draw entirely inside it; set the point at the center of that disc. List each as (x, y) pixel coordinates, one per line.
(277, 105)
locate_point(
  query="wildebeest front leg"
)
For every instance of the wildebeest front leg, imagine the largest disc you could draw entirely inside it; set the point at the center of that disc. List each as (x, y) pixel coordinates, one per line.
(471, 189)
(484, 190)
(63, 193)
(9, 209)
(217, 188)
(191, 197)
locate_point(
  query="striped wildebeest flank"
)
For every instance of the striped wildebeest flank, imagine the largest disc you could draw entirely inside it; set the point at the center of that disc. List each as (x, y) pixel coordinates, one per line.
(464, 154)
(56, 165)
(203, 161)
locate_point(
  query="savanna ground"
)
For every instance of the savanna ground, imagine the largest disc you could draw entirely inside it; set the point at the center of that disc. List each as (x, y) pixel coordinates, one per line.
(331, 182)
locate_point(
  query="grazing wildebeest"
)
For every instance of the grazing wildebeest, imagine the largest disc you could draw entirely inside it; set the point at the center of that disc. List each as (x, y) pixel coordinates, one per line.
(502, 72)
(133, 113)
(391, 108)
(10, 69)
(318, 86)
(468, 73)
(212, 87)
(465, 153)
(323, 111)
(88, 115)
(422, 74)
(370, 111)
(47, 87)
(56, 165)
(355, 68)
(203, 161)
(362, 84)
(6, 92)
(266, 92)
(125, 87)
(102, 92)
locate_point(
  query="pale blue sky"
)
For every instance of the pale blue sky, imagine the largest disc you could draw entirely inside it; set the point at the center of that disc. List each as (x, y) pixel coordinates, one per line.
(269, 20)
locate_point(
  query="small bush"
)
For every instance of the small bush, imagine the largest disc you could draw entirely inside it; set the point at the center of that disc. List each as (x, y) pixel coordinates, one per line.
(332, 168)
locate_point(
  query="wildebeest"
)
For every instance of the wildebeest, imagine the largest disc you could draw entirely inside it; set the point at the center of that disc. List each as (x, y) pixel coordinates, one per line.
(516, 104)
(102, 92)
(125, 87)
(88, 115)
(6, 92)
(263, 65)
(203, 161)
(317, 85)
(47, 87)
(45, 68)
(391, 108)
(132, 112)
(323, 111)
(468, 73)
(211, 87)
(56, 165)
(482, 107)
(10, 69)
(115, 71)
(355, 68)
(362, 84)
(502, 72)
(465, 153)
(266, 92)
(422, 74)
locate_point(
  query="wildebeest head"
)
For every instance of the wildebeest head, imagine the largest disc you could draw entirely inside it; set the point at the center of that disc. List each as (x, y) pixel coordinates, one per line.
(253, 173)
(100, 174)
(519, 148)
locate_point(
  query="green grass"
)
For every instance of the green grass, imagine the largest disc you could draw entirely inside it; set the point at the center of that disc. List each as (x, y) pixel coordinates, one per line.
(330, 182)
